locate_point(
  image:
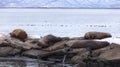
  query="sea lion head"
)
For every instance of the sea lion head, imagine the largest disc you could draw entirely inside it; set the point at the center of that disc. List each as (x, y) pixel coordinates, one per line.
(49, 40)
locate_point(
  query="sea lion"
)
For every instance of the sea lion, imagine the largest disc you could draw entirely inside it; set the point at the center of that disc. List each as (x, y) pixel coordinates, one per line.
(97, 35)
(90, 44)
(19, 34)
(49, 40)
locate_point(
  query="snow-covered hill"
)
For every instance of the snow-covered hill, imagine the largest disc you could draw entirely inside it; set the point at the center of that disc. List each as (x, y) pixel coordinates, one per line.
(61, 3)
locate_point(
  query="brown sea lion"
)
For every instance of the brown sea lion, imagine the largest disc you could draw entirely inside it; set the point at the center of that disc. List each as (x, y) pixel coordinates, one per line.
(49, 40)
(87, 44)
(19, 34)
(96, 35)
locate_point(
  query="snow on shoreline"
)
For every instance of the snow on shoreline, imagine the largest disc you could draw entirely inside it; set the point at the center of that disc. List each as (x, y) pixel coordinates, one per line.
(110, 40)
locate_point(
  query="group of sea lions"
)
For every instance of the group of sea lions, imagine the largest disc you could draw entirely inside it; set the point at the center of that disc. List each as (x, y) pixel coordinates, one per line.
(49, 40)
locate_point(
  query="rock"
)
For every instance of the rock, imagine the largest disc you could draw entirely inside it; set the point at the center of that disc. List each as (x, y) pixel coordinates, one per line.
(106, 56)
(77, 51)
(4, 43)
(80, 57)
(59, 52)
(110, 54)
(49, 40)
(56, 46)
(41, 53)
(97, 35)
(19, 33)
(8, 51)
(34, 53)
(15, 43)
(103, 57)
(33, 40)
(78, 60)
(90, 44)
(36, 43)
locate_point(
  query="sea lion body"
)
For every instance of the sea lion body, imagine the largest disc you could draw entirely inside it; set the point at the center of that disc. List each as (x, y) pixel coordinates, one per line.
(97, 35)
(87, 44)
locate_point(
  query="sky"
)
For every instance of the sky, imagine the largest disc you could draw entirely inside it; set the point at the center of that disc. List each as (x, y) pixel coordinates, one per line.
(61, 3)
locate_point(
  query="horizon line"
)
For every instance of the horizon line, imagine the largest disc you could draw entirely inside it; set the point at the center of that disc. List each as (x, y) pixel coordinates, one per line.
(54, 8)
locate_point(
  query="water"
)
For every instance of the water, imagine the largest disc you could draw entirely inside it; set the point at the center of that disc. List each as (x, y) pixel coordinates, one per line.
(19, 62)
(27, 62)
(60, 22)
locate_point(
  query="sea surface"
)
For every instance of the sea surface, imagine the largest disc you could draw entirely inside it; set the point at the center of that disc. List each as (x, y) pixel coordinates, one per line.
(59, 22)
